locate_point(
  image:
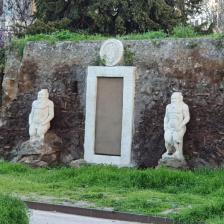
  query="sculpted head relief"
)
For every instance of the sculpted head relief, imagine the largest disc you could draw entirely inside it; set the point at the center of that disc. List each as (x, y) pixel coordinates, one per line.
(41, 114)
(43, 94)
(112, 52)
(176, 97)
(176, 117)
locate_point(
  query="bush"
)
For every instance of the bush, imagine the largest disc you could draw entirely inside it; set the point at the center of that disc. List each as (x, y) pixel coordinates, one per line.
(39, 26)
(145, 36)
(12, 211)
(184, 32)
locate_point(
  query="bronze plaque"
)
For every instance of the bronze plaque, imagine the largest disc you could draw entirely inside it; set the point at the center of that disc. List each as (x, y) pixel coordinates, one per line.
(109, 107)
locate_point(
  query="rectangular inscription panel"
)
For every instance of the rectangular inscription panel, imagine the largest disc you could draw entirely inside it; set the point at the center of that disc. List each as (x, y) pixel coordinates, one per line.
(109, 107)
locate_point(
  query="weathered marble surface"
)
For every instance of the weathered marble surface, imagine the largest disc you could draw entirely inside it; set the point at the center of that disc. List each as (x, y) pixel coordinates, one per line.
(42, 113)
(176, 117)
(112, 52)
(194, 67)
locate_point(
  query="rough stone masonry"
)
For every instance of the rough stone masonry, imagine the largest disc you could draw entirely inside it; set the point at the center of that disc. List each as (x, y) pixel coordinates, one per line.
(193, 66)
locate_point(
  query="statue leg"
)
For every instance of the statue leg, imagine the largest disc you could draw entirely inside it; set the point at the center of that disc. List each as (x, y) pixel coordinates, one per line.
(168, 148)
(42, 131)
(179, 150)
(32, 132)
(178, 144)
(168, 143)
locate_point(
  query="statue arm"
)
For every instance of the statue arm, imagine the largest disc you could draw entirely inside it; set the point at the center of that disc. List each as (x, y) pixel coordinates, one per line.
(31, 115)
(50, 113)
(30, 118)
(166, 119)
(186, 115)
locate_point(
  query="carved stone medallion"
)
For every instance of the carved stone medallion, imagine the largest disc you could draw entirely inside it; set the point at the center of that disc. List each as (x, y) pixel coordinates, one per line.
(112, 52)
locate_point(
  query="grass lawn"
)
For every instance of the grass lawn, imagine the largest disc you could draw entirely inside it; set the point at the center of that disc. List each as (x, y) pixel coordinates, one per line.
(12, 211)
(52, 38)
(185, 196)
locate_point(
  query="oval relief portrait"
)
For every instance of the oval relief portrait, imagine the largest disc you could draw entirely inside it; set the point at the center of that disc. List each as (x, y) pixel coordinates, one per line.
(112, 52)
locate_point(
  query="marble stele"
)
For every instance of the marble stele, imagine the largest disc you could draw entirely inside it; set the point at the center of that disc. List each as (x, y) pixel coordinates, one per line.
(176, 117)
(41, 114)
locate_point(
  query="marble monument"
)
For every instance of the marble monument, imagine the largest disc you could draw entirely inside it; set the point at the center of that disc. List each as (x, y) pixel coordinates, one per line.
(110, 108)
(112, 52)
(176, 117)
(41, 114)
(42, 149)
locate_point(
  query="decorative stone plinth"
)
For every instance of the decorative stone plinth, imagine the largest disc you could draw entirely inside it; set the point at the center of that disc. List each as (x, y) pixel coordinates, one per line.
(172, 162)
(39, 153)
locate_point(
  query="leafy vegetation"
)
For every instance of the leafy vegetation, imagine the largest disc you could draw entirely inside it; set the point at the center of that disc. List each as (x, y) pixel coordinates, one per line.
(41, 27)
(184, 32)
(111, 17)
(99, 61)
(19, 44)
(145, 36)
(186, 196)
(12, 211)
(2, 68)
(2, 60)
(128, 57)
(65, 35)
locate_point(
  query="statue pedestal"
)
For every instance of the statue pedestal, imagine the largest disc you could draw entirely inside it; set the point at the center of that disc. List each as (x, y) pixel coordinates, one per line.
(39, 153)
(172, 162)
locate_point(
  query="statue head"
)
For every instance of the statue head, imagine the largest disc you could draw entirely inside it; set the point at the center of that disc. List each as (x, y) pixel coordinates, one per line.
(176, 97)
(43, 94)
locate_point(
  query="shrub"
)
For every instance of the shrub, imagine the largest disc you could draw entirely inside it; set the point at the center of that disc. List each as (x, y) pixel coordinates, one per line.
(184, 32)
(41, 27)
(144, 36)
(12, 211)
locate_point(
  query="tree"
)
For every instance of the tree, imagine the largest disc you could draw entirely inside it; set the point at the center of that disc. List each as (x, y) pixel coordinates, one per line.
(117, 16)
(188, 8)
(220, 16)
(1, 7)
(19, 15)
(20, 11)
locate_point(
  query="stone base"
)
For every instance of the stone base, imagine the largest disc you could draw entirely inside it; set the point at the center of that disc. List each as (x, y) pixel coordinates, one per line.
(38, 153)
(172, 162)
(77, 163)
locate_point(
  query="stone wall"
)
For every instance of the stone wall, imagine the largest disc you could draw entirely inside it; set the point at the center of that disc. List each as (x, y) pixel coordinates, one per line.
(193, 66)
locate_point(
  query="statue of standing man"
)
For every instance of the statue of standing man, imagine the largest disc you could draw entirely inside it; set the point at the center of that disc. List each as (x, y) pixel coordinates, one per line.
(41, 114)
(176, 117)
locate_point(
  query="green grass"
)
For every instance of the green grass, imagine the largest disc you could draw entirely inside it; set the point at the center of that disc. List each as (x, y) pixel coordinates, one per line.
(19, 44)
(12, 211)
(184, 32)
(178, 32)
(196, 197)
(144, 36)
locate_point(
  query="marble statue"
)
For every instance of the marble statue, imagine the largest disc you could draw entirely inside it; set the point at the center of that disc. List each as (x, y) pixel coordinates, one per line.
(176, 117)
(41, 114)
